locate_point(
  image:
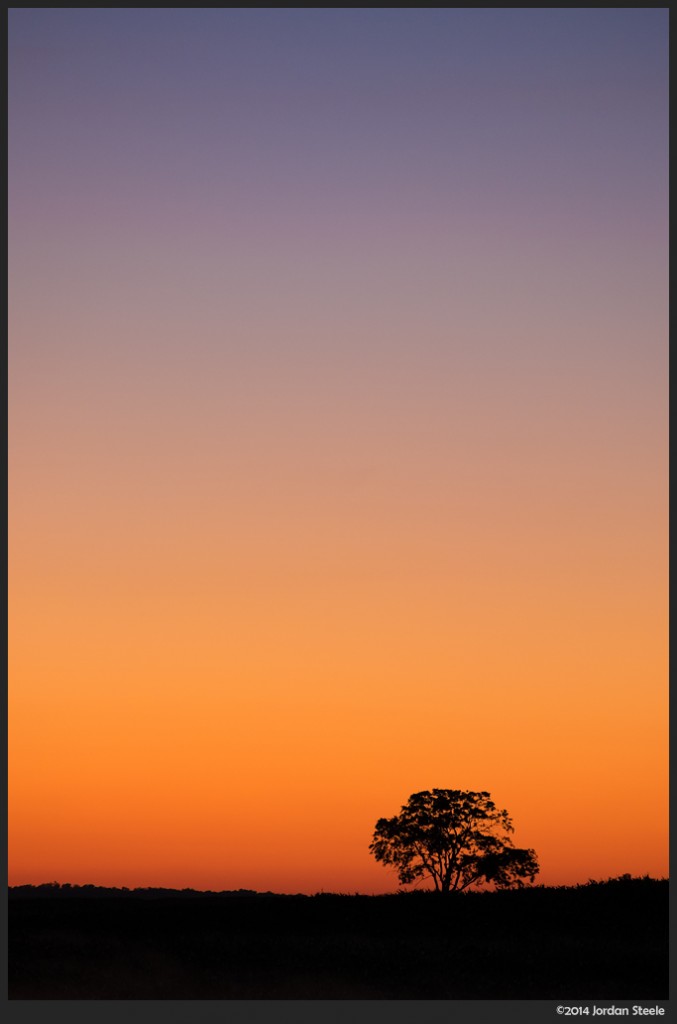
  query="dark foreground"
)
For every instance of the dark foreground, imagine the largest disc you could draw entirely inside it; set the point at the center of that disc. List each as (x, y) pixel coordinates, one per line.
(604, 941)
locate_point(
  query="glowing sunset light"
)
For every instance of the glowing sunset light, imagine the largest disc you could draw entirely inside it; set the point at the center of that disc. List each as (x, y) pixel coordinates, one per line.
(338, 345)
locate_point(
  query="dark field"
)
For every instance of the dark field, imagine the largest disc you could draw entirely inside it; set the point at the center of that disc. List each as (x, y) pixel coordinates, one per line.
(605, 941)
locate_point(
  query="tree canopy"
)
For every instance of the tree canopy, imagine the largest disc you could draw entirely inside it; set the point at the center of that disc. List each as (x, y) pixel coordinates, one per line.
(457, 838)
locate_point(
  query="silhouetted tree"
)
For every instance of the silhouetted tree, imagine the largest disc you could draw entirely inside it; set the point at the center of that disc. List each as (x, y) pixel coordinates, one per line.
(457, 838)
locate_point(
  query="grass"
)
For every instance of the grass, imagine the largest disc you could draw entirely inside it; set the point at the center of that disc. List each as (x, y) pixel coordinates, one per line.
(602, 940)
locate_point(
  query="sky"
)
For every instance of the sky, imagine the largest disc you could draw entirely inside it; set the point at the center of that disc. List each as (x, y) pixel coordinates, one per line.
(337, 437)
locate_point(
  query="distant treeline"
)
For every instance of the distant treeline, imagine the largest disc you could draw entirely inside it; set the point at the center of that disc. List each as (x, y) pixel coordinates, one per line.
(65, 889)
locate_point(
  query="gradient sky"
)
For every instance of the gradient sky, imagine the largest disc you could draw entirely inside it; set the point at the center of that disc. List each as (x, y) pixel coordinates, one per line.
(338, 437)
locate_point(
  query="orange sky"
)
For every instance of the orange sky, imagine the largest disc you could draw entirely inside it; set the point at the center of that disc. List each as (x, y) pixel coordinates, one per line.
(318, 502)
